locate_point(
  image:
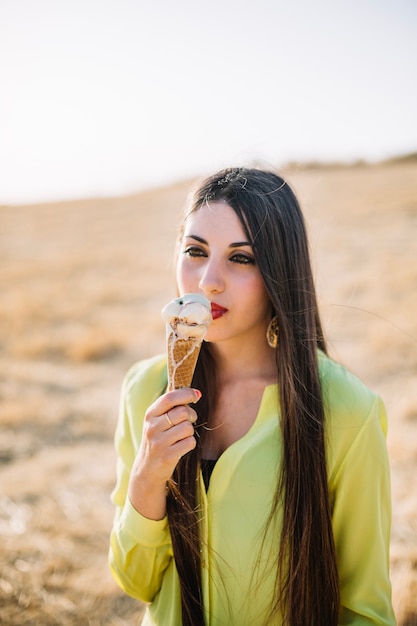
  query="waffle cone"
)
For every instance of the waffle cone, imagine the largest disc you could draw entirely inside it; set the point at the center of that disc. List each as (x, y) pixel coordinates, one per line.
(182, 359)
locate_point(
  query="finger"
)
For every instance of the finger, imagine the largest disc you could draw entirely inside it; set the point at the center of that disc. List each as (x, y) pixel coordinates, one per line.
(169, 400)
(183, 447)
(182, 430)
(168, 446)
(169, 420)
(176, 416)
(160, 449)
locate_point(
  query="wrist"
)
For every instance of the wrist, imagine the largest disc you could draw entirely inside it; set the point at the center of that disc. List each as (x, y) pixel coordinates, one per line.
(148, 499)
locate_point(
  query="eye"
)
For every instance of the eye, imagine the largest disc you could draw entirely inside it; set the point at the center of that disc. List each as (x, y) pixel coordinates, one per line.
(242, 259)
(194, 251)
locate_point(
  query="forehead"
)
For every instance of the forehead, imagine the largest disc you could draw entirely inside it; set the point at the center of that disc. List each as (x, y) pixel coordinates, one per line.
(215, 218)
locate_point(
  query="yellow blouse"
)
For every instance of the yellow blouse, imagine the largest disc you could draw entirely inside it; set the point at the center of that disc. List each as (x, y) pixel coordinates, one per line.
(238, 563)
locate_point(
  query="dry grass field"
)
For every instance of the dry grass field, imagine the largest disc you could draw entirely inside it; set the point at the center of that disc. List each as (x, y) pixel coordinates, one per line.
(82, 285)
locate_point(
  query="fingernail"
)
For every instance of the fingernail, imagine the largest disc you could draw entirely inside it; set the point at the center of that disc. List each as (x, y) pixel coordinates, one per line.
(198, 394)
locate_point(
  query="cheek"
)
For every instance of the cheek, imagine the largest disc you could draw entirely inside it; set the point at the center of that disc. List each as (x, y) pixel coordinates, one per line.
(183, 275)
(178, 273)
(260, 296)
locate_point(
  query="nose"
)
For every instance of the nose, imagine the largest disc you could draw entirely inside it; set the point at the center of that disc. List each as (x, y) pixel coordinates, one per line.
(212, 279)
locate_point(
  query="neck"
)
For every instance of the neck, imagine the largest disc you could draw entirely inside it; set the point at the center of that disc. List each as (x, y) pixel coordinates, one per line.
(244, 362)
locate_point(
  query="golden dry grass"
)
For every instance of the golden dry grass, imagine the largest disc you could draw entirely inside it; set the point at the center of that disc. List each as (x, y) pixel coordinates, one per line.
(82, 287)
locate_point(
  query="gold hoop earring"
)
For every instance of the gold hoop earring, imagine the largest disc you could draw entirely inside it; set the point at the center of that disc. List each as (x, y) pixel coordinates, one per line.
(272, 332)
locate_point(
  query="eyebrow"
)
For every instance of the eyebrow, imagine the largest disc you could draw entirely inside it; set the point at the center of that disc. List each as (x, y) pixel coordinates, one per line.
(237, 244)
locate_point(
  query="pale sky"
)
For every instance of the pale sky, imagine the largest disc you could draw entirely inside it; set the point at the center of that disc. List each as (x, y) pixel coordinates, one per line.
(108, 97)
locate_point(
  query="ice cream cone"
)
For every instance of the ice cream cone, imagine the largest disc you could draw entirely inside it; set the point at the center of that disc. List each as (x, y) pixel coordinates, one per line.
(182, 360)
(187, 319)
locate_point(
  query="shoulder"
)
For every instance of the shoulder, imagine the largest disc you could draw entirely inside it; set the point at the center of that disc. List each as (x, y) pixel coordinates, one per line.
(347, 400)
(356, 420)
(145, 380)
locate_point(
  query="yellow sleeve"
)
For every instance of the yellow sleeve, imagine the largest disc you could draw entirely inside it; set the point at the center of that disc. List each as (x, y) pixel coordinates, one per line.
(140, 549)
(360, 488)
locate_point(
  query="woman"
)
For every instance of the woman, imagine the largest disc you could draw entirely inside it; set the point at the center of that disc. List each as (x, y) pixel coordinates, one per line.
(260, 495)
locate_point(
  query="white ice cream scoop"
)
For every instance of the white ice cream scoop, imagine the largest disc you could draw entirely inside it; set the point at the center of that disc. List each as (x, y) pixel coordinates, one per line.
(189, 315)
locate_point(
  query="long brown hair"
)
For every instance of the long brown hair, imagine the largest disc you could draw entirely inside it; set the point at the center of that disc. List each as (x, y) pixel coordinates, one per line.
(307, 590)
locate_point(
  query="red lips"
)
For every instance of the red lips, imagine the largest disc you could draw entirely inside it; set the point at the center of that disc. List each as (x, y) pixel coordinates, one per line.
(217, 310)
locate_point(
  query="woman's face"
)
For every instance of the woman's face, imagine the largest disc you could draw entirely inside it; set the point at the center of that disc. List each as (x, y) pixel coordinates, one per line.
(216, 259)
